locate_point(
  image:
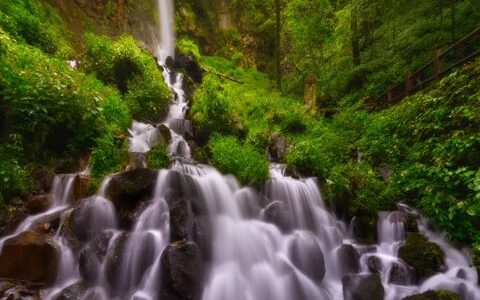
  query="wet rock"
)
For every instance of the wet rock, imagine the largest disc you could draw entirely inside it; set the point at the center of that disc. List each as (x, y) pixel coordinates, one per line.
(114, 259)
(165, 133)
(181, 271)
(38, 203)
(137, 161)
(92, 255)
(307, 256)
(424, 256)
(190, 66)
(434, 295)
(277, 147)
(181, 220)
(374, 264)
(202, 236)
(277, 213)
(20, 291)
(364, 228)
(72, 292)
(362, 287)
(30, 256)
(127, 190)
(91, 217)
(349, 259)
(401, 274)
(409, 221)
(80, 187)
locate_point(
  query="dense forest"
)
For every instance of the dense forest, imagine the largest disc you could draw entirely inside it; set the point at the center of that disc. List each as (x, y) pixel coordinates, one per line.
(107, 136)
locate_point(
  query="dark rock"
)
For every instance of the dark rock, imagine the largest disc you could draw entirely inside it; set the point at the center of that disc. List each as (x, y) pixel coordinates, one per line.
(409, 221)
(38, 203)
(114, 259)
(170, 62)
(181, 220)
(91, 217)
(401, 274)
(92, 255)
(362, 287)
(80, 187)
(277, 213)
(137, 161)
(129, 189)
(434, 295)
(181, 271)
(30, 256)
(374, 264)
(424, 256)
(44, 178)
(364, 228)
(72, 292)
(349, 259)
(202, 236)
(307, 256)
(277, 147)
(165, 133)
(190, 66)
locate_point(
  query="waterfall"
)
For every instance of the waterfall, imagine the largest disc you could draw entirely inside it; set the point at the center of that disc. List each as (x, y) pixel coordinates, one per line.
(280, 243)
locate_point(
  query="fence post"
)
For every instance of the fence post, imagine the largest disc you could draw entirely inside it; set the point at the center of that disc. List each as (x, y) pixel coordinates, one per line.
(408, 83)
(438, 63)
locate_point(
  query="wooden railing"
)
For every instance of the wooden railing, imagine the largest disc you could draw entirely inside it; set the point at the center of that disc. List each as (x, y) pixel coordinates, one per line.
(464, 50)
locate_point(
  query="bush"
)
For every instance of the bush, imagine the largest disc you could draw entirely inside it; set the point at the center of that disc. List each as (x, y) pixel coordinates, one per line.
(229, 156)
(157, 157)
(14, 179)
(132, 70)
(211, 111)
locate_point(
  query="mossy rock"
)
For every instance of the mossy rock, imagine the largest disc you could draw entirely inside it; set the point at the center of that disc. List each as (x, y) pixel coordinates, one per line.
(424, 256)
(434, 295)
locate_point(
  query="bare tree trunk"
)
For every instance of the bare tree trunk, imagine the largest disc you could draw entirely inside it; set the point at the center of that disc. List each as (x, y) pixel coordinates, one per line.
(278, 70)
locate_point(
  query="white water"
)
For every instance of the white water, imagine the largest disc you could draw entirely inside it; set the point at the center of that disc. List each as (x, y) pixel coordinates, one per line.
(249, 258)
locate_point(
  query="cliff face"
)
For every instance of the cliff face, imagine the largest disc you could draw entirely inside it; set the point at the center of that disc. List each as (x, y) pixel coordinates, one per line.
(110, 17)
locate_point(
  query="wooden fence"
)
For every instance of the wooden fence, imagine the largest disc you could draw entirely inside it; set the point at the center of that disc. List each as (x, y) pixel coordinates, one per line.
(464, 50)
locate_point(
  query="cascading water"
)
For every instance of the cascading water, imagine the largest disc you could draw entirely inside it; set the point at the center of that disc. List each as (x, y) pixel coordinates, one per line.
(282, 243)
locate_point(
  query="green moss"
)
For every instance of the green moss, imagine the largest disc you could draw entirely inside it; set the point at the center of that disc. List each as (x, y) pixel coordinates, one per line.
(434, 295)
(424, 256)
(187, 46)
(229, 156)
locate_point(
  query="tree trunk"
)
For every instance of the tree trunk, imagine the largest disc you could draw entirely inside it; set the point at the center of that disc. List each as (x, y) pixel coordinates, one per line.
(278, 70)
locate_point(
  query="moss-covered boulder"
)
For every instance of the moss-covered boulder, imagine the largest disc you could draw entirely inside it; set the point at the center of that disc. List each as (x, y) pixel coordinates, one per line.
(424, 256)
(362, 287)
(434, 295)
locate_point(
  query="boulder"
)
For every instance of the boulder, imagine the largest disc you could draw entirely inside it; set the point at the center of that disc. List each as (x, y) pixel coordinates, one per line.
(165, 133)
(409, 220)
(129, 189)
(92, 255)
(349, 259)
(425, 257)
(137, 161)
(277, 147)
(401, 274)
(72, 292)
(434, 295)
(362, 287)
(306, 254)
(30, 256)
(181, 220)
(190, 66)
(374, 264)
(38, 203)
(181, 272)
(202, 236)
(364, 228)
(277, 213)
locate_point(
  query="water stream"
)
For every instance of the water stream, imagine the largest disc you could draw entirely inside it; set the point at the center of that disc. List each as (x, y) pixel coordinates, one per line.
(248, 256)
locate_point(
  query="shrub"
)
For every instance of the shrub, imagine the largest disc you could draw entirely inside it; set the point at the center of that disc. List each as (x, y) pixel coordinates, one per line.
(229, 156)
(14, 179)
(132, 70)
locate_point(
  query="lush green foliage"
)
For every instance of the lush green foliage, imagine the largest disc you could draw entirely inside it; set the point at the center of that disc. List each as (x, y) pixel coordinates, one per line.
(243, 161)
(432, 142)
(34, 23)
(157, 157)
(132, 70)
